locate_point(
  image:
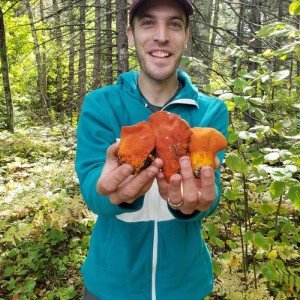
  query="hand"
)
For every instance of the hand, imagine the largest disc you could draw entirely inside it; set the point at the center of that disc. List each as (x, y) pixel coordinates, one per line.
(117, 182)
(194, 194)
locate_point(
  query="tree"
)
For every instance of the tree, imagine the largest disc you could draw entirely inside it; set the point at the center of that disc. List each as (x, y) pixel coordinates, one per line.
(71, 61)
(39, 64)
(122, 42)
(200, 36)
(97, 46)
(5, 76)
(109, 48)
(59, 45)
(82, 56)
(255, 24)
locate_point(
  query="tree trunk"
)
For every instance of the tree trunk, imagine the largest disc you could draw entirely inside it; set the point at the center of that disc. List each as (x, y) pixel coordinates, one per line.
(5, 76)
(97, 46)
(240, 25)
(122, 43)
(213, 38)
(40, 86)
(60, 105)
(297, 60)
(109, 48)
(82, 57)
(200, 32)
(255, 24)
(43, 78)
(71, 104)
(239, 37)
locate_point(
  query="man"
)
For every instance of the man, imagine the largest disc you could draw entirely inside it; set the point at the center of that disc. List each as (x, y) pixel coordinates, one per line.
(146, 242)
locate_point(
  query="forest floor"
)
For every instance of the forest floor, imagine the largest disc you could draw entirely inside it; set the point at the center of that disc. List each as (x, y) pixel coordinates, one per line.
(45, 226)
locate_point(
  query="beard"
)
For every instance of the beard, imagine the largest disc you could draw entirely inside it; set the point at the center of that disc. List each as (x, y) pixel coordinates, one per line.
(157, 72)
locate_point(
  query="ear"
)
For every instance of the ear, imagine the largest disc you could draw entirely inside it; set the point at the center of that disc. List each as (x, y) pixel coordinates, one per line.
(130, 36)
(187, 36)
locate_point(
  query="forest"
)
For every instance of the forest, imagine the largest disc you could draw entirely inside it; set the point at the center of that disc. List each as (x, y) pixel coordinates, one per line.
(246, 53)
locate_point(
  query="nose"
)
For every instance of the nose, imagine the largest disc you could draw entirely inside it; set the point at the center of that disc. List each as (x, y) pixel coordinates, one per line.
(161, 33)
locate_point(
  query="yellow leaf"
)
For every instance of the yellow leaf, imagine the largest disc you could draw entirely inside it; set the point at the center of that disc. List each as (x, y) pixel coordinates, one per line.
(272, 254)
(234, 261)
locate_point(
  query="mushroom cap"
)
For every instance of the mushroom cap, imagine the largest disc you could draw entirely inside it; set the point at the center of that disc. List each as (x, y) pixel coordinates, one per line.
(136, 145)
(172, 134)
(204, 144)
(208, 139)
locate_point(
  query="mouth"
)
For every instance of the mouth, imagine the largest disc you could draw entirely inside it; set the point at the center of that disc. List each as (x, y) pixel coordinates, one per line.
(160, 54)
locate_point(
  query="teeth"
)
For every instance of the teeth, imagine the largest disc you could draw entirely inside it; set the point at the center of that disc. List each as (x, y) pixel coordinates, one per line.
(160, 54)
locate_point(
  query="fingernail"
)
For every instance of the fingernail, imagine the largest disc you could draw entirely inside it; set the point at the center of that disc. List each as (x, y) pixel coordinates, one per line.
(150, 174)
(160, 175)
(207, 172)
(127, 169)
(185, 159)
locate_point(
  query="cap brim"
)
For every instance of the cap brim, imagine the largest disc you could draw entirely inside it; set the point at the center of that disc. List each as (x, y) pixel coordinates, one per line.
(187, 6)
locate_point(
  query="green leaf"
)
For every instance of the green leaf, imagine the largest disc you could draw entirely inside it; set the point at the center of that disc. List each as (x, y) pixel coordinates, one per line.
(224, 216)
(239, 84)
(294, 195)
(231, 244)
(294, 8)
(232, 194)
(30, 284)
(248, 236)
(266, 30)
(216, 267)
(269, 272)
(277, 189)
(260, 241)
(212, 229)
(236, 163)
(8, 271)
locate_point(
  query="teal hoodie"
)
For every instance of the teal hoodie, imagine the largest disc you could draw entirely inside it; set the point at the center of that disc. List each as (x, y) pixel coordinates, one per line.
(144, 250)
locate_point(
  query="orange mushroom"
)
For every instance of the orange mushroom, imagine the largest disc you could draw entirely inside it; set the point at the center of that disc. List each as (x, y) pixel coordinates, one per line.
(203, 146)
(172, 134)
(137, 146)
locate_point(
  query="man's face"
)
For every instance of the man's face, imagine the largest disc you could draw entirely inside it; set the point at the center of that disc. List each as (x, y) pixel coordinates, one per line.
(160, 35)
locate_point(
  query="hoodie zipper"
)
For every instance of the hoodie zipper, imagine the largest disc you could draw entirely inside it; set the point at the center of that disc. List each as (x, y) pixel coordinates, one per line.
(154, 261)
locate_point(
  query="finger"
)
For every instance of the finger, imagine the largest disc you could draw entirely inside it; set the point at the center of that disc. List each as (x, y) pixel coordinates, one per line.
(134, 187)
(145, 188)
(110, 182)
(112, 160)
(157, 163)
(217, 162)
(112, 150)
(163, 186)
(189, 188)
(175, 194)
(208, 189)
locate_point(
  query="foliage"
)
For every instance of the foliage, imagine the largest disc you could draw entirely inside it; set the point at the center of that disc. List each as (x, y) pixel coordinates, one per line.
(256, 231)
(44, 225)
(254, 235)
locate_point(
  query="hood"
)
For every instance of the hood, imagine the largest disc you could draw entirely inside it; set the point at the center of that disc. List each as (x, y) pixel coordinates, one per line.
(128, 81)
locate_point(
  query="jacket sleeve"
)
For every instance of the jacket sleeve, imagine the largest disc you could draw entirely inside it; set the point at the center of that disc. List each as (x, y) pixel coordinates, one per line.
(218, 119)
(96, 131)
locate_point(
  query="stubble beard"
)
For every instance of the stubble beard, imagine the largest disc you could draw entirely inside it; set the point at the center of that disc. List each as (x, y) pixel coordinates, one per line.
(157, 73)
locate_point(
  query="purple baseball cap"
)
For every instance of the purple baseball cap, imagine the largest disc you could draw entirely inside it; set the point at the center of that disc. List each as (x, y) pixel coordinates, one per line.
(187, 6)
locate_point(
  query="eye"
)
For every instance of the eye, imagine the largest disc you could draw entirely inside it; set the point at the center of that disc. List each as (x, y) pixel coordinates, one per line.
(176, 25)
(147, 22)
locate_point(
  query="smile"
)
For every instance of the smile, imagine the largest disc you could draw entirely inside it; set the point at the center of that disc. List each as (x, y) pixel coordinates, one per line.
(160, 54)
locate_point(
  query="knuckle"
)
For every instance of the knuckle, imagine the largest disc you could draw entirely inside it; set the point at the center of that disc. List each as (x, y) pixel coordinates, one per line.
(128, 194)
(114, 200)
(101, 189)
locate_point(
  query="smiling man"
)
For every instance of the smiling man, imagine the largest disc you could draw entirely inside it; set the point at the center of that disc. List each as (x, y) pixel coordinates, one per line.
(146, 242)
(159, 31)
